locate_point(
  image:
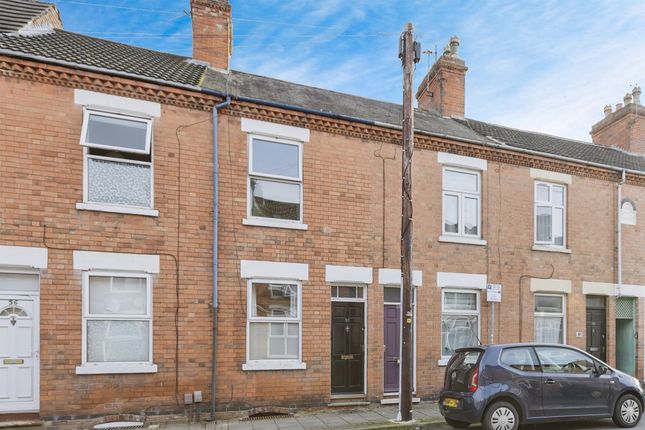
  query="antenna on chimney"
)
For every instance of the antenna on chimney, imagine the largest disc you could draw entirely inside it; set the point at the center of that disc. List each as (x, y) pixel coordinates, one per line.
(429, 52)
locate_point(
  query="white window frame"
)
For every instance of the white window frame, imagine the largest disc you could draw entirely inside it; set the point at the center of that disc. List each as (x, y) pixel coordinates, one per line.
(111, 207)
(115, 367)
(461, 196)
(460, 312)
(562, 315)
(277, 363)
(552, 205)
(273, 222)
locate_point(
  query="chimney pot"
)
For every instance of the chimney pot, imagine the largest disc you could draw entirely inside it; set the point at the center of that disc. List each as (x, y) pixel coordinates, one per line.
(454, 46)
(636, 94)
(628, 99)
(607, 110)
(619, 106)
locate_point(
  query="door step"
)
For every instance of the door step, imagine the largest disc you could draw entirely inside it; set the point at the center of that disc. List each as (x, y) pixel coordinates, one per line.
(346, 403)
(395, 400)
(20, 423)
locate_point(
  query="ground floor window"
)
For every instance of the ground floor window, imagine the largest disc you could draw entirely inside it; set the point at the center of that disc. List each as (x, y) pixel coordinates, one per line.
(117, 319)
(550, 318)
(274, 321)
(459, 320)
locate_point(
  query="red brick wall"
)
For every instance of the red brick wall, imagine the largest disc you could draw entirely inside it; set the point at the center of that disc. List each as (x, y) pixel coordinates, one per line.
(343, 209)
(444, 87)
(42, 173)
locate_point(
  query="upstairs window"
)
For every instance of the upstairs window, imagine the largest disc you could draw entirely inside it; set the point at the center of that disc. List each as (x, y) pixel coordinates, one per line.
(550, 214)
(461, 202)
(117, 159)
(275, 180)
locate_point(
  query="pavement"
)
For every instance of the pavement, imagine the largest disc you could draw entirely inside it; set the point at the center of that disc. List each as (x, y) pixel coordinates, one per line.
(425, 414)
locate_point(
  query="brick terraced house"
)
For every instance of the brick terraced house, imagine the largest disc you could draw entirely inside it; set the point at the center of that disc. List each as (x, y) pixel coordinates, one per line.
(125, 216)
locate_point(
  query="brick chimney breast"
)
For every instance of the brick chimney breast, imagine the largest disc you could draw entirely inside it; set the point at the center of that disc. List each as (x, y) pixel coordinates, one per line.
(443, 88)
(623, 128)
(212, 32)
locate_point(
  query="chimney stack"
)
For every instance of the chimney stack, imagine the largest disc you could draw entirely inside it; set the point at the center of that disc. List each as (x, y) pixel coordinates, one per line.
(212, 32)
(443, 88)
(623, 128)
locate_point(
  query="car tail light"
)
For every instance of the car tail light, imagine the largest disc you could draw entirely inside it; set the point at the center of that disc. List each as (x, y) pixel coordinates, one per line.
(474, 380)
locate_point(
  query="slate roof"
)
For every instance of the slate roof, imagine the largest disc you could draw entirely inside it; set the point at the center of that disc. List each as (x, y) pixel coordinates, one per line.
(82, 50)
(15, 14)
(275, 90)
(79, 50)
(559, 146)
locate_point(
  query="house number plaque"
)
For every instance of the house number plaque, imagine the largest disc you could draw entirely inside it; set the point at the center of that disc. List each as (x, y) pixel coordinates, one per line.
(13, 361)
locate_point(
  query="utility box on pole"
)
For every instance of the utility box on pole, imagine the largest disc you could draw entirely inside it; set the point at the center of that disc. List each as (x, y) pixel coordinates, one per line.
(409, 52)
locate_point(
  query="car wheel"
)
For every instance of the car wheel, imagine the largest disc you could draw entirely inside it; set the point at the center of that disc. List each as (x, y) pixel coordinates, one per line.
(501, 416)
(628, 411)
(457, 424)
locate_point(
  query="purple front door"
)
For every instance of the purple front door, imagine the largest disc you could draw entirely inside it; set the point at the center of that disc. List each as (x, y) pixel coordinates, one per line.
(392, 341)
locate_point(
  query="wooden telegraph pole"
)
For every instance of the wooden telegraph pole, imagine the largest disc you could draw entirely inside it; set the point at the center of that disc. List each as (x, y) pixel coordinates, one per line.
(409, 52)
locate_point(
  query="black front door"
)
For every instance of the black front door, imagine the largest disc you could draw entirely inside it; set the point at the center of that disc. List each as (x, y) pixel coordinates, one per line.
(347, 327)
(597, 327)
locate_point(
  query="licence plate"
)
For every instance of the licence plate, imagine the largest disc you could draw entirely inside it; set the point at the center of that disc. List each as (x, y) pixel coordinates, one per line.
(450, 403)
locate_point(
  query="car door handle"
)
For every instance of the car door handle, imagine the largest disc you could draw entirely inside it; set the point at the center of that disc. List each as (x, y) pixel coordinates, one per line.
(549, 381)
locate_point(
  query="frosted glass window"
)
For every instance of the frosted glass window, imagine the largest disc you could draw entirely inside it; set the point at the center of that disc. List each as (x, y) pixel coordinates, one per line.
(461, 202)
(459, 320)
(550, 214)
(274, 321)
(274, 158)
(121, 133)
(458, 331)
(118, 341)
(118, 159)
(117, 318)
(118, 182)
(275, 182)
(549, 318)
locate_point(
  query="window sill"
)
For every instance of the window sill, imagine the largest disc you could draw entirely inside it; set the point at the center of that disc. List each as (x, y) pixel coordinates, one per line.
(443, 362)
(99, 207)
(546, 248)
(274, 365)
(275, 224)
(116, 369)
(461, 239)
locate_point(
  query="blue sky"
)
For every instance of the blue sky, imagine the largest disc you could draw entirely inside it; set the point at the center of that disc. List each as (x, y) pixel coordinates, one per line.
(548, 66)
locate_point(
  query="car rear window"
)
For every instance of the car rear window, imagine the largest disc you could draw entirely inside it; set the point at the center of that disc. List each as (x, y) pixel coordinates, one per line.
(460, 369)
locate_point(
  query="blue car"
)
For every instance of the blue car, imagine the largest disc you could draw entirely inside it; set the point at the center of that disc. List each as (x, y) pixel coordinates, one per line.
(505, 386)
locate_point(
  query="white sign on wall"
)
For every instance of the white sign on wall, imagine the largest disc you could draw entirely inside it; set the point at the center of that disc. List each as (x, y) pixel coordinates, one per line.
(494, 293)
